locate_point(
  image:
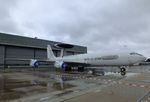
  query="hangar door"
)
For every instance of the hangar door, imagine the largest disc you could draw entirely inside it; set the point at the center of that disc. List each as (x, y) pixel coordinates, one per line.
(18, 53)
(40, 54)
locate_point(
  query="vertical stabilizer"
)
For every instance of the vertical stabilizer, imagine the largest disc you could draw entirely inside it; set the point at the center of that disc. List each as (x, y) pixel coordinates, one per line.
(50, 54)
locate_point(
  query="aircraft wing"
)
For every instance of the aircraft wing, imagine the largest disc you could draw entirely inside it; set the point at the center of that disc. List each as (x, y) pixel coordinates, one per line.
(20, 59)
(32, 62)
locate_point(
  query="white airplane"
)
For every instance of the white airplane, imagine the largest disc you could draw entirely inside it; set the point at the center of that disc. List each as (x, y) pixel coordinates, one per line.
(120, 59)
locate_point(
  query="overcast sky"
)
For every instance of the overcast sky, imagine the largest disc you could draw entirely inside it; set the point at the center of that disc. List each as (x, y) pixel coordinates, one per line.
(101, 25)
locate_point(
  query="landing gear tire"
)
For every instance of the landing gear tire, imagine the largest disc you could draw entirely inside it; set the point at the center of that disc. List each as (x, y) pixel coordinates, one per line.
(123, 73)
(80, 69)
(68, 69)
(122, 69)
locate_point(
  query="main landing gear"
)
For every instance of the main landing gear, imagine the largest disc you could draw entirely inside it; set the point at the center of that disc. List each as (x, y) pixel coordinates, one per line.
(80, 69)
(123, 71)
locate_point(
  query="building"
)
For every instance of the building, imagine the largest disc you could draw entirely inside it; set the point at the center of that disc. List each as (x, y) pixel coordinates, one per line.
(19, 47)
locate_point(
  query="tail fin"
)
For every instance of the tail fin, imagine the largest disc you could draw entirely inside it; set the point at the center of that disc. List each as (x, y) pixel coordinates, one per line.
(50, 54)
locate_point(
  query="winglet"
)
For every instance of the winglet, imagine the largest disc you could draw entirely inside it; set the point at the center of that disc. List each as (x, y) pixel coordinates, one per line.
(50, 54)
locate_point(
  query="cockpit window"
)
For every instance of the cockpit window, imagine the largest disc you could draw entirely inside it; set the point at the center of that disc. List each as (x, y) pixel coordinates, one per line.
(134, 53)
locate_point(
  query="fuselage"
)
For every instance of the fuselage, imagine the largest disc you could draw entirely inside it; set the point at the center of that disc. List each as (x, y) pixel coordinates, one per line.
(120, 59)
(105, 59)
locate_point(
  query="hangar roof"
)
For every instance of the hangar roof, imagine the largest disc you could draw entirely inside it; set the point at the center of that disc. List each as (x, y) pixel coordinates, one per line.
(15, 40)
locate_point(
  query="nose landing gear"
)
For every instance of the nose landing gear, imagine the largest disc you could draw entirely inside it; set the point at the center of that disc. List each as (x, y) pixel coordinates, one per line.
(123, 71)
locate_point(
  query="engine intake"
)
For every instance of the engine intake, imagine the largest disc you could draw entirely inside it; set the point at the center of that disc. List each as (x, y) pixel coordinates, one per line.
(34, 63)
(61, 64)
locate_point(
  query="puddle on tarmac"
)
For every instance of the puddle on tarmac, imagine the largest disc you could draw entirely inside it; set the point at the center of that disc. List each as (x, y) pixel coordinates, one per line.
(11, 89)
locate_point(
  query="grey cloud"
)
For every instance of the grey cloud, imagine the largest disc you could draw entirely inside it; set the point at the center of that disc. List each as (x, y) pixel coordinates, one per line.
(100, 25)
(6, 22)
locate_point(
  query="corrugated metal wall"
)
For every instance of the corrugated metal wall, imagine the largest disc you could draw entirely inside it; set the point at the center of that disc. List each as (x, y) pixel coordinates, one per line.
(15, 52)
(40, 54)
(1, 54)
(19, 52)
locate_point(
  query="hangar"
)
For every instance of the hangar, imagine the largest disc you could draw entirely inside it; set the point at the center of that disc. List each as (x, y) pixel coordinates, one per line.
(19, 47)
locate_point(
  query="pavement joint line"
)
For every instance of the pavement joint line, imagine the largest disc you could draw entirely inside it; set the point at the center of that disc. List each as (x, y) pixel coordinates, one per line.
(134, 85)
(62, 98)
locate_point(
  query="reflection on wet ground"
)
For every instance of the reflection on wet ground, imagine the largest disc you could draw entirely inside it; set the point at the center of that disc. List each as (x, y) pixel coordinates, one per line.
(15, 88)
(37, 86)
(65, 86)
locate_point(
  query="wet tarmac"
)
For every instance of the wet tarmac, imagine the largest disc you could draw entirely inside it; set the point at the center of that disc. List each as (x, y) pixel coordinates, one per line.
(40, 87)
(13, 87)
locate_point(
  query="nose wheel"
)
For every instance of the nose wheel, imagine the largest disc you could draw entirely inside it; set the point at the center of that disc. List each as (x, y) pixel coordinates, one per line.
(123, 71)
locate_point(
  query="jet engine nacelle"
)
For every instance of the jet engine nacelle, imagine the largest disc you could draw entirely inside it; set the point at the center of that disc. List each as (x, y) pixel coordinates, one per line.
(61, 64)
(34, 63)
